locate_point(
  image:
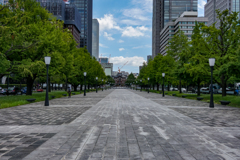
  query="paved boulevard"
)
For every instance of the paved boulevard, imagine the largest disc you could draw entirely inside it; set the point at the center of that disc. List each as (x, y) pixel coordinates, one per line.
(120, 124)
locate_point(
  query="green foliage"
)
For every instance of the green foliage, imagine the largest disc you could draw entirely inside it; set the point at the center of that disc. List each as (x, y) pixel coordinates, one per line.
(12, 85)
(222, 44)
(28, 33)
(131, 79)
(187, 59)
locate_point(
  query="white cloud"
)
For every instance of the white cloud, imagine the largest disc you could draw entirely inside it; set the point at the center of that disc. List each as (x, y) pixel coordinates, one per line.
(201, 4)
(132, 61)
(120, 41)
(145, 46)
(121, 49)
(108, 36)
(134, 32)
(145, 4)
(131, 22)
(102, 45)
(108, 23)
(135, 13)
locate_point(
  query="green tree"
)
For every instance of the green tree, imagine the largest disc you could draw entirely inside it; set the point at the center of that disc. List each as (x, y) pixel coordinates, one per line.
(197, 65)
(130, 79)
(223, 43)
(179, 49)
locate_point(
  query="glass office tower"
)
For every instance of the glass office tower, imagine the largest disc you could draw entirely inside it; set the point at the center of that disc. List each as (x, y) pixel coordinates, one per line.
(212, 5)
(95, 38)
(85, 8)
(165, 11)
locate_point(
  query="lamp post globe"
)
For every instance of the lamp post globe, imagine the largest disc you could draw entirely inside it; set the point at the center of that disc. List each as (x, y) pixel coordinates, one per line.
(85, 74)
(148, 85)
(47, 62)
(163, 75)
(211, 63)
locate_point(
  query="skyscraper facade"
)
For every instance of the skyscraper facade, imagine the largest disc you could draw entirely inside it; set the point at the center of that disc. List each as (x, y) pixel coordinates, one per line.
(185, 23)
(212, 5)
(67, 13)
(148, 58)
(95, 38)
(165, 11)
(85, 8)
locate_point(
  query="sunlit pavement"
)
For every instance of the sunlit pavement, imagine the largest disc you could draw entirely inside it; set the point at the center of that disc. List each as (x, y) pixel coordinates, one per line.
(120, 124)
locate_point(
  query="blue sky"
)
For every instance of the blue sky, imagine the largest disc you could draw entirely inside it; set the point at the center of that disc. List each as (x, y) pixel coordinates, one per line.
(126, 31)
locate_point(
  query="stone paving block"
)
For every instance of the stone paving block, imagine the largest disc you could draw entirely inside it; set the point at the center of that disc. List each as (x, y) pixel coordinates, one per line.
(122, 125)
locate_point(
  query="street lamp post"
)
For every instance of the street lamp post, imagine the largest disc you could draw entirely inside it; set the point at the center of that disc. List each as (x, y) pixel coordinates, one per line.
(148, 85)
(136, 85)
(102, 84)
(141, 85)
(163, 75)
(85, 74)
(211, 63)
(47, 62)
(96, 83)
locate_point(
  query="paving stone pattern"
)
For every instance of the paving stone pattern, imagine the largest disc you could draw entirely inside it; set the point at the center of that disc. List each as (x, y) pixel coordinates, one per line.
(17, 146)
(123, 124)
(214, 118)
(40, 115)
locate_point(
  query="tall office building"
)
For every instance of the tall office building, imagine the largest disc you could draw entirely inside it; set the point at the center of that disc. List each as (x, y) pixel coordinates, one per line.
(5, 1)
(95, 38)
(67, 13)
(212, 5)
(85, 8)
(140, 67)
(185, 23)
(165, 11)
(148, 58)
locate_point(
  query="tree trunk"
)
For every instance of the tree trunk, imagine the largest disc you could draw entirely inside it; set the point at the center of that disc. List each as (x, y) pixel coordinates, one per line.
(52, 86)
(81, 87)
(30, 81)
(198, 91)
(88, 86)
(66, 84)
(168, 87)
(75, 88)
(157, 86)
(224, 86)
(180, 85)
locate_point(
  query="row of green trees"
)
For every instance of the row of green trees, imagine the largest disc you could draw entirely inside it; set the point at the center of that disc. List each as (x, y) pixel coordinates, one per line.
(187, 60)
(28, 33)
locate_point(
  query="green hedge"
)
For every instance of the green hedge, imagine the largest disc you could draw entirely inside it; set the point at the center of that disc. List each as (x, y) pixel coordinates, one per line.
(12, 85)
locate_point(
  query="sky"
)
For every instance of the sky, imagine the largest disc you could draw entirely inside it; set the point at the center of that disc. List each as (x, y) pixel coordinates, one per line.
(126, 31)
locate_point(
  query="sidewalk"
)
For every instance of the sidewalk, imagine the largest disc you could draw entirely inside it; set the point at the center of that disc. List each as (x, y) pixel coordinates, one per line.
(120, 124)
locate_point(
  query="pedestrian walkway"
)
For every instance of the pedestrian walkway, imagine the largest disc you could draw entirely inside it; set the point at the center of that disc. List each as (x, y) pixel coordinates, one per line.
(120, 124)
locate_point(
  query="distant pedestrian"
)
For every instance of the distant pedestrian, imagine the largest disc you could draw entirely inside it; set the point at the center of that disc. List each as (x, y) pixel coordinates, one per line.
(69, 92)
(237, 91)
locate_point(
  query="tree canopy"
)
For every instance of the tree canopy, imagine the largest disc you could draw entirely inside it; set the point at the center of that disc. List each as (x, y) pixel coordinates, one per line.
(28, 33)
(187, 58)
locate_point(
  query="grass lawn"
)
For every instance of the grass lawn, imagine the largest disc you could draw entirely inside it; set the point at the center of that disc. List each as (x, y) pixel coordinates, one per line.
(11, 101)
(235, 100)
